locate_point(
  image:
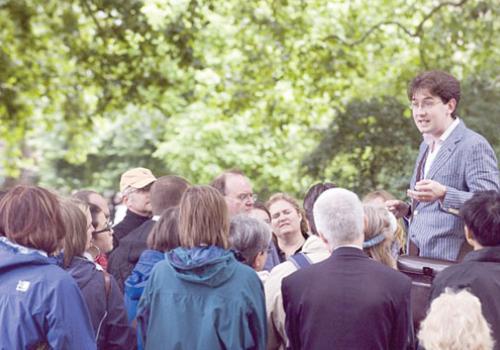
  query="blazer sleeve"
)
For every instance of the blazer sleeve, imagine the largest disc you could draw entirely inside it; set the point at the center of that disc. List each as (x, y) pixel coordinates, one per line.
(291, 320)
(481, 174)
(119, 335)
(403, 336)
(68, 324)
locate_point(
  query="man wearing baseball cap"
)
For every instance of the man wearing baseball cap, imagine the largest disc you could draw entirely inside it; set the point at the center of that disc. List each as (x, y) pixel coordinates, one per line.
(134, 185)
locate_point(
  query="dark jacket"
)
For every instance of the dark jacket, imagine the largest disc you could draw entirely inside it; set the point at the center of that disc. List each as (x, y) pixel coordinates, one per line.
(130, 222)
(348, 301)
(480, 273)
(40, 303)
(107, 313)
(123, 259)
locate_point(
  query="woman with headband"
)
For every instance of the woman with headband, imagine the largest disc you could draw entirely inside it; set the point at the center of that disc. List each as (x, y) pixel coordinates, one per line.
(380, 226)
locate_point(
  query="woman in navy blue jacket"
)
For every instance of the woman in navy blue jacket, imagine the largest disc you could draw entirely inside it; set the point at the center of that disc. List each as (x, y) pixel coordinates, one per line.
(40, 304)
(99, 289)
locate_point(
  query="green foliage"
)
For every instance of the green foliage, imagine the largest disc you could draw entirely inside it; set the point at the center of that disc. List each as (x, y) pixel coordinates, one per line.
(375, 141)
(90, 88)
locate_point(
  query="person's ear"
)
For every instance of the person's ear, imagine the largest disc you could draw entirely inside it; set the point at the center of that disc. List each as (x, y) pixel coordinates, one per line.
(323, 238)
(469, 236)
(452, 105)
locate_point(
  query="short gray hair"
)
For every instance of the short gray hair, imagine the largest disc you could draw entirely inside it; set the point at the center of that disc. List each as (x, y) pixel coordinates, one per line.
(338, 215)
(249, 237)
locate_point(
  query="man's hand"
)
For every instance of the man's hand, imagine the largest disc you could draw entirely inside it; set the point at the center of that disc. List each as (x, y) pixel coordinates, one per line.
(427, 191)
(397, 207)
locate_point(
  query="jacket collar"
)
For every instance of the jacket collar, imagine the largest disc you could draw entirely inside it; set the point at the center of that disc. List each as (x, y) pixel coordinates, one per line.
(132, 217)
(447, 148)
(487, 254)
(349, 251)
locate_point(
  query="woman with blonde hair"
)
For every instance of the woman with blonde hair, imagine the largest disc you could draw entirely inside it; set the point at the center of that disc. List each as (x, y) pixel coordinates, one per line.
(455, 322)
(380, 226)
(379, 197)
(200, 293)
(289, 225)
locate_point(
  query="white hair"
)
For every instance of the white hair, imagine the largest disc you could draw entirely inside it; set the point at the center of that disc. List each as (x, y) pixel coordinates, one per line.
(249, 237)
(338, 215)
(455, 322)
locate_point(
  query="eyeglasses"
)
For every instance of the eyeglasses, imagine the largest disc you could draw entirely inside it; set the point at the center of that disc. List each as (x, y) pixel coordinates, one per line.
(106, 229)
(130, 190)
(244, 196)
(424, 106)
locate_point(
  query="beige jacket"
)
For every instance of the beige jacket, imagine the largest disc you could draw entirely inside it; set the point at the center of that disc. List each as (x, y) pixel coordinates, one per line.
(316, 250)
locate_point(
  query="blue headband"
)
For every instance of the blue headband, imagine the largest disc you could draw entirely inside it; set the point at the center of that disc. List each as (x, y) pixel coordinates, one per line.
(374, 241)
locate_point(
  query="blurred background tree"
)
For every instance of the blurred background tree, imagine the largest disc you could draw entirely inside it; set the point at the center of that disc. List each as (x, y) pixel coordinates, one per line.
(291, 92)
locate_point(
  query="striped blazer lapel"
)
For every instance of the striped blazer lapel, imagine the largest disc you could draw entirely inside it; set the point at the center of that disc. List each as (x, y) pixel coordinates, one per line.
(420, 159)
(446, 150)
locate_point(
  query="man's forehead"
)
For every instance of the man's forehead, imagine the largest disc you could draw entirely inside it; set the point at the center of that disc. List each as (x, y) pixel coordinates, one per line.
(422, 94)
(237, 183)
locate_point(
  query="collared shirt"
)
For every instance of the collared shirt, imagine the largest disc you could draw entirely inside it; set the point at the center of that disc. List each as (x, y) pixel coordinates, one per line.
(437, 146)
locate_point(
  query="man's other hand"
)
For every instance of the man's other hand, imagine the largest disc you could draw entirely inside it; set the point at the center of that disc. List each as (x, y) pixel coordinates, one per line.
(397, 207)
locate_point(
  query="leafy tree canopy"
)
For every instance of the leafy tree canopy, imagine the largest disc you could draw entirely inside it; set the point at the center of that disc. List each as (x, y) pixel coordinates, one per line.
(288, 91)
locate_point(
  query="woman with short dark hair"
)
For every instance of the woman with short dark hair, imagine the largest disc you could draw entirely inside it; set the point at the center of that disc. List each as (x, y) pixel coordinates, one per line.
(40, 304)
(200, 296)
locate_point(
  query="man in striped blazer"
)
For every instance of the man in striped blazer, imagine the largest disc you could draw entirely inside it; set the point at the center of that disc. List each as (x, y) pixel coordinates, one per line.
(454, 162)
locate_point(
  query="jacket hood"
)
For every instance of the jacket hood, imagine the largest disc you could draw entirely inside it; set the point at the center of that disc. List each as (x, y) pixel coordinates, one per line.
(210, 266)
(13, 256)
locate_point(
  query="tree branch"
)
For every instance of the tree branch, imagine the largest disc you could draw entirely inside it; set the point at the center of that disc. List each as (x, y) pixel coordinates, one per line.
(416, 33)
(91, 14)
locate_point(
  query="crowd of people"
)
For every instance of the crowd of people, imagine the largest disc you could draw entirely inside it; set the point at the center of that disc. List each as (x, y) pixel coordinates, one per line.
(210, 267)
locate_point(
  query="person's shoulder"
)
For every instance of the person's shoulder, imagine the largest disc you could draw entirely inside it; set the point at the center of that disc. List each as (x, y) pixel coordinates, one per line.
(57, 278)
(452, 271)
(277, 274)
(244, 271)
(473, 137)
(161, 269)
(308, 273)
(385, 273)
(140, 233)
(151, 255)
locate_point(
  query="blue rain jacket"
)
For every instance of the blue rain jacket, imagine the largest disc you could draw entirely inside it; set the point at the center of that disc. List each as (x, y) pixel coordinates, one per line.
(39, 303)
(135, 283)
